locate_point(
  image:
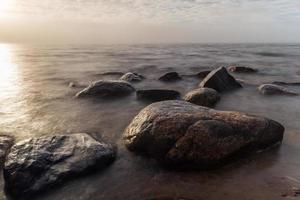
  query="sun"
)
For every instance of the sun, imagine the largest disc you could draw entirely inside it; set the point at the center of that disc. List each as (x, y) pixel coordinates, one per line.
(5, 5)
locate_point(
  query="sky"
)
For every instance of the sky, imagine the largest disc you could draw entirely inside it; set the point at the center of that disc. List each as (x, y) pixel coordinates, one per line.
(149, 21)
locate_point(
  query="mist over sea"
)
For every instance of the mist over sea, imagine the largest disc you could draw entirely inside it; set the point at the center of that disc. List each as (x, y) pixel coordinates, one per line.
(35, 100)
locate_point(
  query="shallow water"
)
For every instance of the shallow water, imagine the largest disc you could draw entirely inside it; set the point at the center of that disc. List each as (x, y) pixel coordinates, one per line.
(35, 100)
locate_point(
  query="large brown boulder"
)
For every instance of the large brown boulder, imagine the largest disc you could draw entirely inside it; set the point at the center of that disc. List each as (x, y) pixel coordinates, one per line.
(106, 89)
(39, 163)
(180, 133)
(220, 80)
(203, 97)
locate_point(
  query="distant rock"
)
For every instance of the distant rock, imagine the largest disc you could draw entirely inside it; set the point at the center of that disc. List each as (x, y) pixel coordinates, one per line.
(203, 74)
(171, 76)
(220, 80)
(72, 85)
(178, 133)
(132, 77)
(285, 83)
(157, 95)
(111, 74)
(203, 97)
(239, 69)
(5, 143)
(298, 72)
(37, 164)
(106, 89)
(272, 89)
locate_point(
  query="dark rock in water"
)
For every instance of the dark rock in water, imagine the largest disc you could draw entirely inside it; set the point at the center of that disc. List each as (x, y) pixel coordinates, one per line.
(220, 80)
(239, 69)
(157, 95)
(112, 74)
(72, 85)
(203, 97)
(132, 77)
(285, 83)
(171, 76)
(178, 133)
(5, 143)
(298, 72)
(272, 89)
(40, 163)
(107, 89)
(203, 74)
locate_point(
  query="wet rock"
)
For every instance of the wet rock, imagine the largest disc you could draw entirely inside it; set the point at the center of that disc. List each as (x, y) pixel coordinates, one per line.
(107, 89)
(203, 74)
(286, 83)
(171, 76)
(157, 95)
(132, 77)
(5, 143)
(111, 74)
(178, 133)
(40, 163)
(272, 89)
(220, 80)
(203, 97)
(72, 85)
(240, 69)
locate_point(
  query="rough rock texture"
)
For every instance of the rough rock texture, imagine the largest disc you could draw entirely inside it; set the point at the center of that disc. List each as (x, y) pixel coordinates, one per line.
(272, 89)
(132, 77)
(239, 69)
(5, 143)
(171, 76)
(39, 163)
(107, 89)
(157, 95)
(220, 80)
(179, 133)
(203, 97)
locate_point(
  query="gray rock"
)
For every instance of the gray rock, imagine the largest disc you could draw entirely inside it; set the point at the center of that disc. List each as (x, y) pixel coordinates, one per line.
(220, 80)
(131, 77)
(5, 143)
(157, 95)
(39, 163)
(203, 97)
(107, 89)
(240, 69)
(178, 133)
(272, 89)
(170, 76)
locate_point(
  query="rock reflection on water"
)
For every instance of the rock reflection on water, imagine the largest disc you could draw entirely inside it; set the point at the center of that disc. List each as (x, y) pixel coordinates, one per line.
(35, 99)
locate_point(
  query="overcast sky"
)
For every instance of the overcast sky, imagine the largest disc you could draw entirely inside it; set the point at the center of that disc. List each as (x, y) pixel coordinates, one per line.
(149, 21)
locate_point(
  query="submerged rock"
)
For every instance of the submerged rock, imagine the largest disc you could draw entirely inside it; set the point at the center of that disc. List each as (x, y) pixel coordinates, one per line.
(239, 69)
(107, 89)
(178, 133)
(220, 80)
(111, 74)
(171, 76)
(39, 163)
(157, 95)
(203, 74)
(272, 89)
(203, 97)
(286, 83)
(5, 143)
(132, 77)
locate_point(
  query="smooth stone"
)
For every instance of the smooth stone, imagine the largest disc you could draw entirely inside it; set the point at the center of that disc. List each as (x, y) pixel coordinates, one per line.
(272, 89)
(132, 77)
(157, 95)
(37, 164)
(178, 133)
(240, 69)
(5, 143)
(220, 80)
(203, 97)
(171, 76)
(107, 89)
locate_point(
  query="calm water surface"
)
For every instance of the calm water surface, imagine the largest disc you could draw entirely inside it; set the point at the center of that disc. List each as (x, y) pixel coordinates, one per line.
(35, 100)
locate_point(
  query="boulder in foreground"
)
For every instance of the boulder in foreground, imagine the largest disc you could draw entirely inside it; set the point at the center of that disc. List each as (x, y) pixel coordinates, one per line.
(178, 133)
(240, 69)
(157, 95)
(107, 89)
(132, 77)
(203, 97)
(220, 80)
(272, 89)
(39, 163)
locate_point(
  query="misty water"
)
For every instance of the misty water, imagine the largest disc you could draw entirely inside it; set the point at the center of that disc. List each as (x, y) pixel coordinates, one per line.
(35, 100)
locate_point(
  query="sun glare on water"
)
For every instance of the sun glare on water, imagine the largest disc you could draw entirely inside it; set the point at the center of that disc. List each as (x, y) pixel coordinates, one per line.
(5, 5)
